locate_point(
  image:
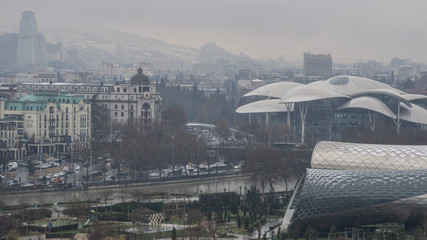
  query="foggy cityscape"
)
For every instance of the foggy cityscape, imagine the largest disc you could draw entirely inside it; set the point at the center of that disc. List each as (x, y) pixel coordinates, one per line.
(214, 120)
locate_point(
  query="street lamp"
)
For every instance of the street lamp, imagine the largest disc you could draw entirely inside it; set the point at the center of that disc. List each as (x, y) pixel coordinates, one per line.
(120, 158)
(173, 155)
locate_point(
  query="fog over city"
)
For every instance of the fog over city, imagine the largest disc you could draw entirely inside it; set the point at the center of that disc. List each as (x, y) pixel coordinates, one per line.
(349, 30)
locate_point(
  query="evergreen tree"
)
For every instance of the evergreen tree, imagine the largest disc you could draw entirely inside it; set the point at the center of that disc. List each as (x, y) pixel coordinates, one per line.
(173, 233)
(246, 222)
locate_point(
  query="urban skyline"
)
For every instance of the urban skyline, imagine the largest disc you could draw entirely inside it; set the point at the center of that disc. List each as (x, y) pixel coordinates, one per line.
(350, 31)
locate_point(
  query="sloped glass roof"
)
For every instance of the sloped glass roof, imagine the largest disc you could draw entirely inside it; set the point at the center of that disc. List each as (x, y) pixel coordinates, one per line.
(330, 191)
(358, 156)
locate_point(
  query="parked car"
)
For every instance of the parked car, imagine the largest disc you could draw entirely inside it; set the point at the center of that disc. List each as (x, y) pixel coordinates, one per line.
(44, 166)
(110, 178)
(22, 164)
(12, 166)
(43, 178)
(57, 180)
(27, 186)
(13, 183)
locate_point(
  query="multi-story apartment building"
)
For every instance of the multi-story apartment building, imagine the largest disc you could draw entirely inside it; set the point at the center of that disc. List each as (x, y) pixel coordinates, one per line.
(78, 77)
(10, 145)
(318, 65)
(44, 77)
(124, 71)
(51, 122)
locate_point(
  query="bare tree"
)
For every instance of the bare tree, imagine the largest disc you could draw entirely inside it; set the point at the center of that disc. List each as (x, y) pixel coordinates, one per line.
(195, 216)
(105, 195)
(266, 166)
(137, 195)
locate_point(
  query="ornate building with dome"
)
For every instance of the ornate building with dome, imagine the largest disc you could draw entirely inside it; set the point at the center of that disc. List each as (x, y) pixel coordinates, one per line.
(138, 99)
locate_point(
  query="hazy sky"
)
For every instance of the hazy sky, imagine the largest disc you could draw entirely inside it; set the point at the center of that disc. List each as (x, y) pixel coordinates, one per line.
(350, 30)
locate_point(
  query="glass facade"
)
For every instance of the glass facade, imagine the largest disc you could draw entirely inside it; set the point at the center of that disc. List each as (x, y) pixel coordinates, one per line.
(350, 177)
(330, 191)
(356, 156)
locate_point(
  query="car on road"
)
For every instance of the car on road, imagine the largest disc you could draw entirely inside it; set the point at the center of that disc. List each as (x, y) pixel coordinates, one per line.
(13, 183)
(27, 186)
(12, 166)
(43, 178)
(22, 164)
(56, 180)
(44, 166)
(110, 178)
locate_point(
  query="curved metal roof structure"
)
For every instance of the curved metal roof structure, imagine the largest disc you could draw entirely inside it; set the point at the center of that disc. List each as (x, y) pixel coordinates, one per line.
(333, 191)
(414, 97)
(349, 85)
(385, 91)
(308, 93)
(263, 106)
(357, 156)
(416, 114)
(361, 92)
(368, 103)
(350, 177)
(275, 90)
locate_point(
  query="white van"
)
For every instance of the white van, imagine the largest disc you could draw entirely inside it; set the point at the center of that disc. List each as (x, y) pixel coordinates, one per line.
(12, 166)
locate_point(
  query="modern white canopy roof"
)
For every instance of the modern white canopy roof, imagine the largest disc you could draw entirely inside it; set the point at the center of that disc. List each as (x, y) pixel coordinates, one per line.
(350, 85)
(416, 114)
(368, 103)
(275, 90)
(385, 91)
(263, 106)
(308, 93)
(361, 92)
(414, 97)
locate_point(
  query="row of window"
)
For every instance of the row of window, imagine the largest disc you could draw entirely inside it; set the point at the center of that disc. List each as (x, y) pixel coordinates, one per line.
(7, 134)
(7, 127)
(139, 89)
(121, 106)
(83, 88)
(50, 87)
(9, 143)
(144, 114)
(121, 97)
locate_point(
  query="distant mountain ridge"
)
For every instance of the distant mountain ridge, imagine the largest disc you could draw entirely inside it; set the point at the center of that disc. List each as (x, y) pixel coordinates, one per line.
(97, 45)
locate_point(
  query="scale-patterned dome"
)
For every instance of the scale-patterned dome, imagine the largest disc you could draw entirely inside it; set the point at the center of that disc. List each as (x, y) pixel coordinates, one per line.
(140, 78)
